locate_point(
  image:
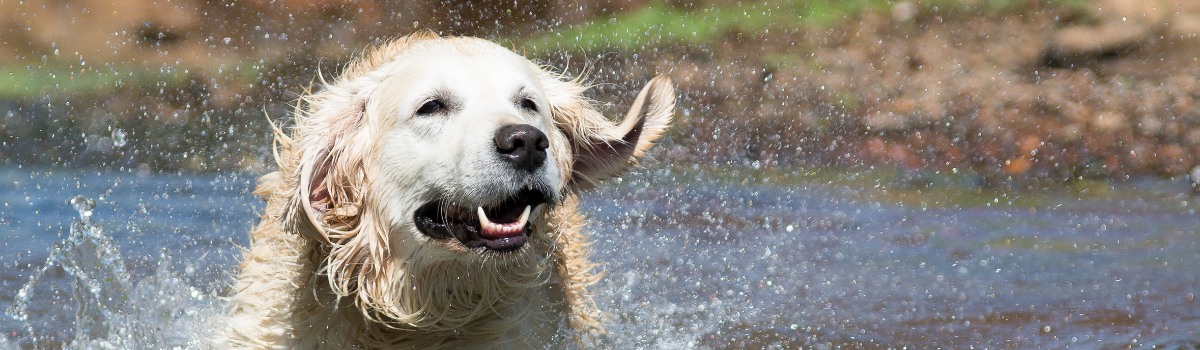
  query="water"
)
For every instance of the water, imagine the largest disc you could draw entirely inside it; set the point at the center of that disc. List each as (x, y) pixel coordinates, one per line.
(101, 285)
(694, 260)
(135, 262)
(752, 264)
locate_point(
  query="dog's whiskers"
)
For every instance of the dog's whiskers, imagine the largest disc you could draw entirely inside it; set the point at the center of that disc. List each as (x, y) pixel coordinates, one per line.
(446, 219)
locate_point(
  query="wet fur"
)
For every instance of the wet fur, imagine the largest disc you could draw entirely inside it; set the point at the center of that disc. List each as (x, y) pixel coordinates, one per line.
(327, 268)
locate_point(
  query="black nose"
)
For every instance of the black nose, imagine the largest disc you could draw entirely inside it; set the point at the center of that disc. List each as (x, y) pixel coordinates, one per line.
(522, 145)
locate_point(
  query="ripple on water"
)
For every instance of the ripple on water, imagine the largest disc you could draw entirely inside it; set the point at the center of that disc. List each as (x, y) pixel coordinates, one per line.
(716, 261)
(1080, 271)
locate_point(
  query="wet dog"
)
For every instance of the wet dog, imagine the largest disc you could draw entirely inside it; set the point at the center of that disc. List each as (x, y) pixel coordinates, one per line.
(427, 198)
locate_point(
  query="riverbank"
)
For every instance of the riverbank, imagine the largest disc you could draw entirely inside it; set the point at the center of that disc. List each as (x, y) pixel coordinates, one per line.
(992, 88)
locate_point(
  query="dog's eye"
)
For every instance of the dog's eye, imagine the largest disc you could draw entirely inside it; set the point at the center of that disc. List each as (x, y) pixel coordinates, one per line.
(431, 107)
(528, 105)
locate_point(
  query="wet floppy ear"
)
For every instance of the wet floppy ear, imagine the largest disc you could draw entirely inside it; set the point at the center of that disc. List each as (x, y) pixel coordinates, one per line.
(311, 203)
(327, 201)
(603, 150)
(337, 146)
(649, 116)
(336, 136)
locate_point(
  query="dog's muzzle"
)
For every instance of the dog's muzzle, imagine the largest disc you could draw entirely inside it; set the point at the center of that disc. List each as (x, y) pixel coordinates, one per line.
(503, 226)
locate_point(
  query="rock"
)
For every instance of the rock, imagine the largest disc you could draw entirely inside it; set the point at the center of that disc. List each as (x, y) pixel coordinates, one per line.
(1109, 121)
(1172, 159)
(1029, 145)
(886, 121)
(1017, 166)
(1084, 41)
(1150, 125)
(904, 11)
(1149, 12)
(1122, 24)
(1185, 25)
(1069, 132)
(1192, 138)
(1184, 84)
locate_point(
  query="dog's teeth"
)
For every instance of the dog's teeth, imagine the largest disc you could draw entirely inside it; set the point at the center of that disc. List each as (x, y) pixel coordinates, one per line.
(495, 230)
(483, 219)
(524, 218)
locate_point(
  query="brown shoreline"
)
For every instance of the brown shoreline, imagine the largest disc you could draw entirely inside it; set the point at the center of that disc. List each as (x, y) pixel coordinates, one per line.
(991, 93)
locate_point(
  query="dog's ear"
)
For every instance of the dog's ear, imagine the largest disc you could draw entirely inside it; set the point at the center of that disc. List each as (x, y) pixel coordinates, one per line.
(329, 204)
(334, 151)
(336, 138)
(602, 150)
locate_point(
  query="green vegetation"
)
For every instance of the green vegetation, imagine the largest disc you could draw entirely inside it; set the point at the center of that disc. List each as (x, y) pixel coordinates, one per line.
(663, 25)
(657, 25)
(216, 105)
(59, 79)
(65, 79)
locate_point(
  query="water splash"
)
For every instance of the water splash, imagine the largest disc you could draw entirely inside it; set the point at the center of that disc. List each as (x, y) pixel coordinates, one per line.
(160, 312)
(119, 137)
(101, 286)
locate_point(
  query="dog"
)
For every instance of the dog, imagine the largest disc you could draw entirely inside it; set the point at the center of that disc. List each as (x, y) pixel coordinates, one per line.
(428, 199)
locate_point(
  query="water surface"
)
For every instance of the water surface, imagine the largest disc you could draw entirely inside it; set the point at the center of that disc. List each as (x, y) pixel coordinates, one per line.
(724, 259)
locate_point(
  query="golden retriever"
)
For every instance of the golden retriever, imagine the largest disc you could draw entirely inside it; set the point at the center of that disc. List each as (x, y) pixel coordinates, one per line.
(427, 199)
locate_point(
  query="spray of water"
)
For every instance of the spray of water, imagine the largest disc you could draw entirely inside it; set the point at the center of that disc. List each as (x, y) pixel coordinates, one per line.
(161, 311)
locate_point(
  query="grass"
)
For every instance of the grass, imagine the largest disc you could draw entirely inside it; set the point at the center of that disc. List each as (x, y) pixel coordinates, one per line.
(72, 79)
(660, 25)
(60, 79)
(657, 25)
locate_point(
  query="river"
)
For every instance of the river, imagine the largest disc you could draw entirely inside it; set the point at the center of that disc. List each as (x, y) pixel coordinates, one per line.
(703, 259)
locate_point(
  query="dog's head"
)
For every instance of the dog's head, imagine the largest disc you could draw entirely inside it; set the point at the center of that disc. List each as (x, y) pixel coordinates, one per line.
(431, 151)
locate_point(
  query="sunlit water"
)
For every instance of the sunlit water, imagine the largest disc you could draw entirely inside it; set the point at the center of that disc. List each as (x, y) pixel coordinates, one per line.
(693, 260)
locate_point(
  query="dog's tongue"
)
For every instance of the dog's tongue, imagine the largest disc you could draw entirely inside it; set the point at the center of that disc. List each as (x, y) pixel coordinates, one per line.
(497, 230)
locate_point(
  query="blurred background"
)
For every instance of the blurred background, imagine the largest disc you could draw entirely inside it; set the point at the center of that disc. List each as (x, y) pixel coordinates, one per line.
(1009, 89)
(860, 174)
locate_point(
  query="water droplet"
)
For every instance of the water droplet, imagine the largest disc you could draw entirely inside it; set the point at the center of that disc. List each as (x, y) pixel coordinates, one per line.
(84, 205)
(119, 137)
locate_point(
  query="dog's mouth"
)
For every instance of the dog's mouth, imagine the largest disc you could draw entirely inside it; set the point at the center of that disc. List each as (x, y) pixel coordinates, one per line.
(502, 226)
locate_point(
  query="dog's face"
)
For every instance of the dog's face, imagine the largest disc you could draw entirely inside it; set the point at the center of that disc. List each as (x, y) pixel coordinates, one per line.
(473, 154)
(434, 158)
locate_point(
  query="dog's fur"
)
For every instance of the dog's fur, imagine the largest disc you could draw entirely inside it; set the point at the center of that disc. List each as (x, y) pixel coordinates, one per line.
(337, 261)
